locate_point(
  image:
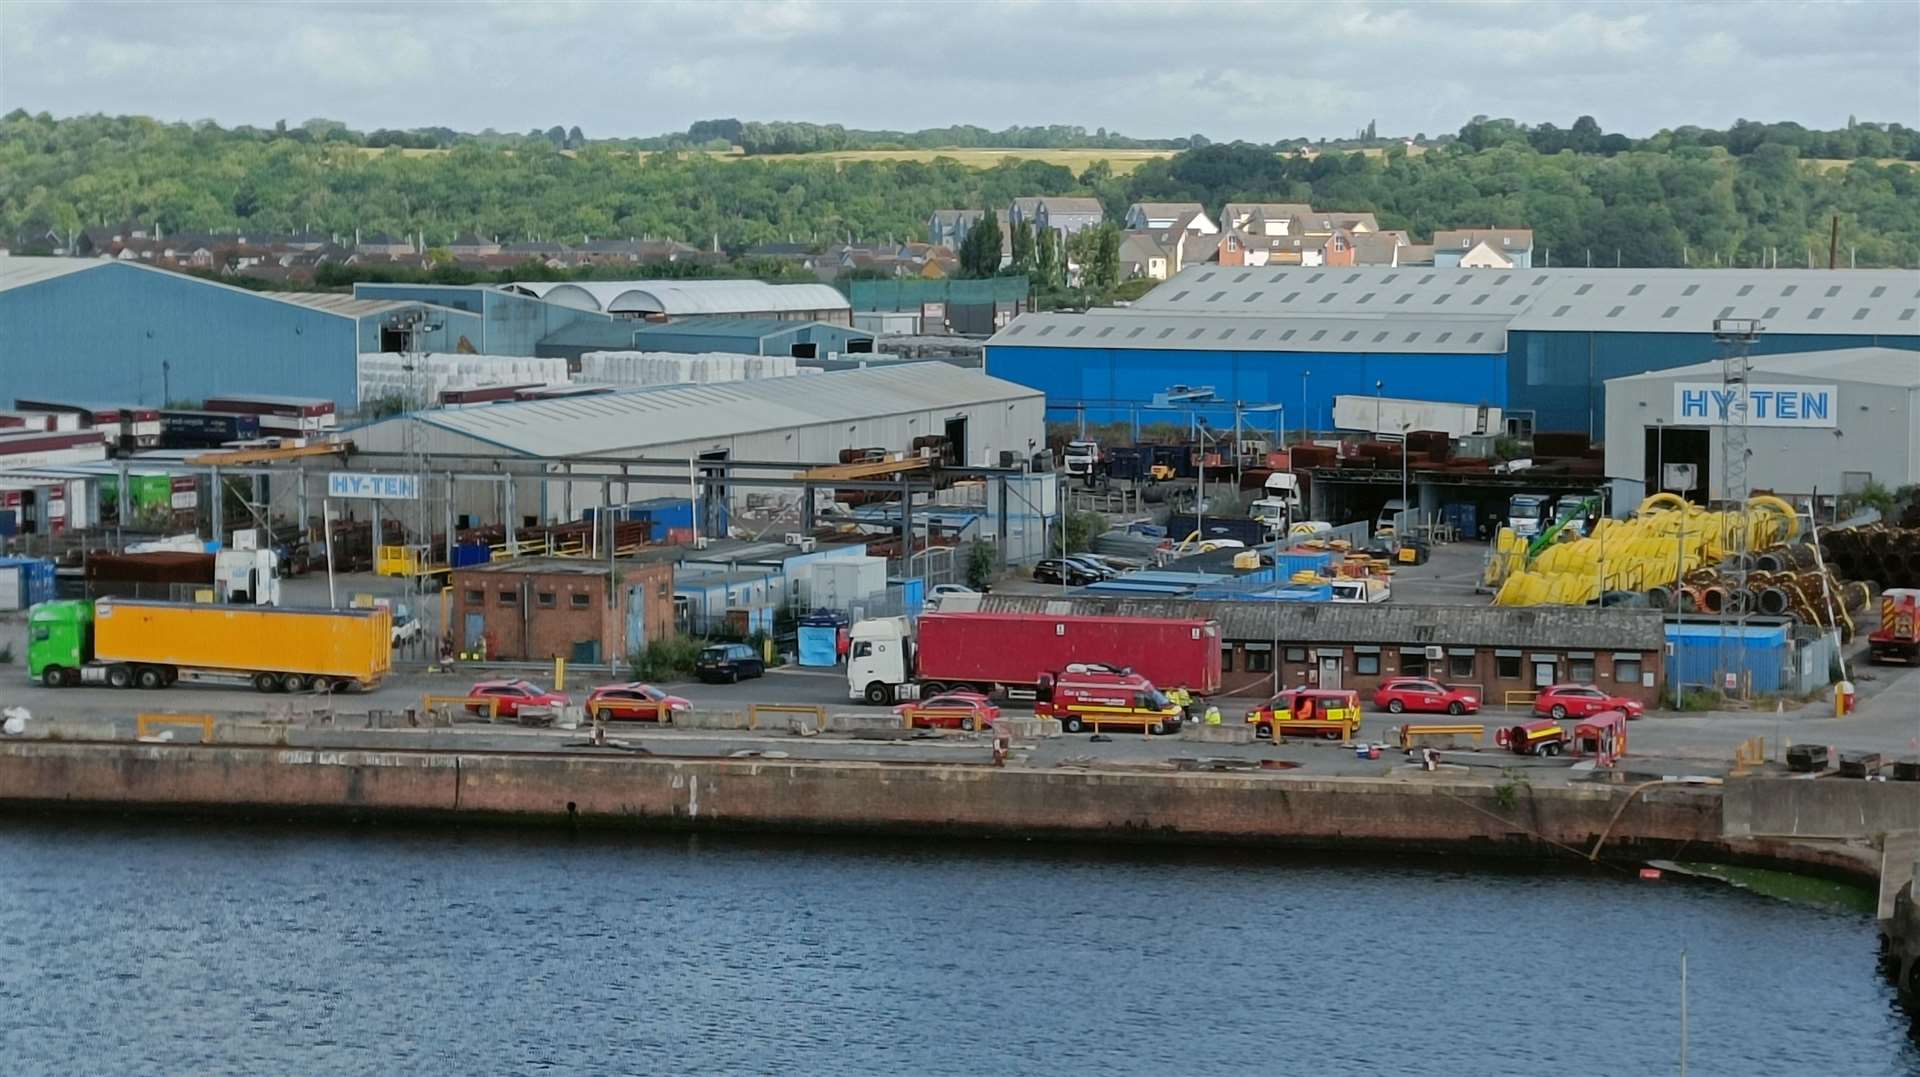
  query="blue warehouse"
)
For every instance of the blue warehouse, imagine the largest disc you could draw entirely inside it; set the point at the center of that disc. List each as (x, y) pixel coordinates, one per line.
(1538, 343)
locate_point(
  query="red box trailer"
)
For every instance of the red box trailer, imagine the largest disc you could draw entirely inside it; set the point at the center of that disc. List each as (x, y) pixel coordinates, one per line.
(1015, 650)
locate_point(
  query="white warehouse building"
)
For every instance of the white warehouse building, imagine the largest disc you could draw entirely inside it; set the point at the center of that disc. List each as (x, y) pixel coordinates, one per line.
(672, 300)
(1826, 422)
(807, 419)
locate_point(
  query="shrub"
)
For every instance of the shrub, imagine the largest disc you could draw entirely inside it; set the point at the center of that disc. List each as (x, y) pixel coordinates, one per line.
(669, 659)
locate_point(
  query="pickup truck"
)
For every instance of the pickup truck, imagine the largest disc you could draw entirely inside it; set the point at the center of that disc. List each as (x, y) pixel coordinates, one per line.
(1362, 589)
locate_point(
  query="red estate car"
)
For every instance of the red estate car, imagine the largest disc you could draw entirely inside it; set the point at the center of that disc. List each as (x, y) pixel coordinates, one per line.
(1581, 701)
(513, 695)
(1424, 697)
(953, 710)
(634, 701)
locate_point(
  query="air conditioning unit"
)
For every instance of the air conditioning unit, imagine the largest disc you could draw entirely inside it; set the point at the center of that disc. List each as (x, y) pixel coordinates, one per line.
(700, 543)
(1434, 654)
(806, 544)
(792, 538)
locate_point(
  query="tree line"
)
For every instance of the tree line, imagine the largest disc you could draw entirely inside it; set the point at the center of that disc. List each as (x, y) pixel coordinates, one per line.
(1685, 197)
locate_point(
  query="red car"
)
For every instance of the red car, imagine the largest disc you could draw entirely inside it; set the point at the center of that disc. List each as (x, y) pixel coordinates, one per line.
(1581, 701)
(1423, 696)
(513, 695)
(634, 701)
(953, 710)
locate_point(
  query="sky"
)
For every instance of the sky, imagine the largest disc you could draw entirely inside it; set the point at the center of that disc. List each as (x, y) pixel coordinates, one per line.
(1260, 72)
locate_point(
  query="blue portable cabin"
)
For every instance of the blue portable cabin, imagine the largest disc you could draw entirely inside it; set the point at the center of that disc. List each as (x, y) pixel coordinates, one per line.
(819, 634)
(1705, 652)
(25, 582)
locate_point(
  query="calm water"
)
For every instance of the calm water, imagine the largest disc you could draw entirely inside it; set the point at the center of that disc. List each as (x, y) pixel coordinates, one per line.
(185, 950)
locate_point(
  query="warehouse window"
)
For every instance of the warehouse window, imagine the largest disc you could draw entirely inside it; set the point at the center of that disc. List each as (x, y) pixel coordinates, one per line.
(1626, 670)
(1815, 313)
(1507, 666)
(476, 597)
(1215, 297)
(1583, 289)
(1636, 289)
(507, 598)
(580, 600)
(1789, 290)
(1690, 289)
(1771, 311)
(1413, 663)
(1460, 665)
(1296, 654)
(1861, 314)
(1668, 313)
(1260, 661)
(1366, 663)
(544, 599)
(1226, 658)
(1745, 289)
(1364, 296)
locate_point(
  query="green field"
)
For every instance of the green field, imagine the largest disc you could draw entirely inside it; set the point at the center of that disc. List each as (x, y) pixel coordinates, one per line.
(1123, 161)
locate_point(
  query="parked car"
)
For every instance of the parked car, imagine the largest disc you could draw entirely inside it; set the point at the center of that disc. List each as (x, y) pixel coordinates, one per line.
(1093, 564)
(514, 696)
(635, 701)
(1580, 701)
(406, 627)
(1112, 565)
(954, 710)
(1063, 570)
(1423, 696)
(940, 592)
(729, 662)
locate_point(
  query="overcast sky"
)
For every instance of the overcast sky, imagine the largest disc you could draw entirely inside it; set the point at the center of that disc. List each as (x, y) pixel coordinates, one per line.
(1252, 71)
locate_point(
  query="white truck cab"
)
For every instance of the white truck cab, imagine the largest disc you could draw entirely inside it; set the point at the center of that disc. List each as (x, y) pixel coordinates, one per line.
(1361, 589)
(879, 658)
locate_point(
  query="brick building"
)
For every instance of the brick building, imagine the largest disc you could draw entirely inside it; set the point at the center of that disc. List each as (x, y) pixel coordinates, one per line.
(554, 607)
(1266, 646)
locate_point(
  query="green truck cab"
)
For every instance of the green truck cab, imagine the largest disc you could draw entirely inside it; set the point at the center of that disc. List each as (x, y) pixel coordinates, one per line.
(59, 641)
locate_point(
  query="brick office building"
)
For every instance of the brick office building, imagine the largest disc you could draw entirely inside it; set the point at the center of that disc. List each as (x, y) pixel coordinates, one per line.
(554, 607)
(1266, 646)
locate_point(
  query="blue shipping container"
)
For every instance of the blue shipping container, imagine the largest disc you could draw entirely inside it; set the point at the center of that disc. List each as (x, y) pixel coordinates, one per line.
(1703, 654)
(1319, 562)
(25, 582)
(913, 594)
(471, 553)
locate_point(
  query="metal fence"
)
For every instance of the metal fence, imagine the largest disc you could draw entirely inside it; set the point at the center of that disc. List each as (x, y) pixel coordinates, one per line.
(910, 294)
(1810, 666)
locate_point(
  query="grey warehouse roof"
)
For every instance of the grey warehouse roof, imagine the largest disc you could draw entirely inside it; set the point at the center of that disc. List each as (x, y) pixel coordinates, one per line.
(1893, 367)
(586, 425)
(682, 297)
(1595, 628)
(1864, 302)
(1118, 328)
(17, 271)
(20, 272)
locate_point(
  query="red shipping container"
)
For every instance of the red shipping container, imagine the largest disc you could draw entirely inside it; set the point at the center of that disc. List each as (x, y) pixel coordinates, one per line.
(1017, 649)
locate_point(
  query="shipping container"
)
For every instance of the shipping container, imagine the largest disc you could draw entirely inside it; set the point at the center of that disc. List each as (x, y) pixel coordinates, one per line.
(25, 582)
(126, 427)
(206, 429)
(1016, 650)
(285, 416)
(1706, 654)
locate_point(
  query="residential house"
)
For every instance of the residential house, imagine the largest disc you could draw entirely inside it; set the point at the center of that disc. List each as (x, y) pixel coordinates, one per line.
(1240, 247)
(1326, 222)
(469, 245)
(1275, 218)
(949, 227)
(1378, 249)
(1337, 248)
(1068, 215)
(381, 243)
(1021, 209)
(1483, 248)
(1156, 216)
(1143, 255)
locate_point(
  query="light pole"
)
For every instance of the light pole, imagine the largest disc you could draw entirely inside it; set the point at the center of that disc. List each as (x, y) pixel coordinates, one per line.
(1304, 432)
(1659, 455)
(1377, 386)
(1406, 506)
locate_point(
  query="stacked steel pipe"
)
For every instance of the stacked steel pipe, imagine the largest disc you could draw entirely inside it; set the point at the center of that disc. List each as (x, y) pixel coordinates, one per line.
(1888, 556)
(1816, 598)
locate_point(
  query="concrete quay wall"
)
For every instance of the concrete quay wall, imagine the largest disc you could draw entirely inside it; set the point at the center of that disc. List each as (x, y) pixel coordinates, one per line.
(795, 795)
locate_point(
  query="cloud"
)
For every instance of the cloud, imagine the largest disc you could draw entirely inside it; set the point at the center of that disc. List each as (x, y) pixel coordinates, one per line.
(1257, 71)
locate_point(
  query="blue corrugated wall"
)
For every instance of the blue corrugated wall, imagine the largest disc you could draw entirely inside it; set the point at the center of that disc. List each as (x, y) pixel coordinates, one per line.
(512, 324)
(103, 333)
(1561, 376)
(1108, 380)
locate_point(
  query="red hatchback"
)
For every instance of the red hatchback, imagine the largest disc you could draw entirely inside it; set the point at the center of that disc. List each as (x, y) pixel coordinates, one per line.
(634, 701)
(1423, 696)
(1581, 701)
(513, 695)
(954, 710)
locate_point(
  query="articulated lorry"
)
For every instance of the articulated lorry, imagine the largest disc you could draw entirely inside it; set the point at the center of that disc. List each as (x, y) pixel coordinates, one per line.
(125, 643)
(1022, 652)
